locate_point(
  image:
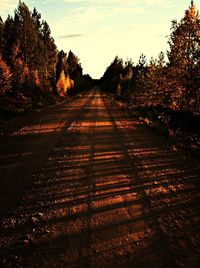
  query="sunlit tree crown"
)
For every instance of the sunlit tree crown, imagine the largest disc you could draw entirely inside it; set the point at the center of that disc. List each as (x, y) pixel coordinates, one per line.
(191, 13)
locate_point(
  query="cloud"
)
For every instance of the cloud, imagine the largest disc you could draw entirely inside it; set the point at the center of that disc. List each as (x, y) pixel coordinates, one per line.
(87, 15)
(70, 36)
(80, 18)
(120, 10)
(102, 17)
(121, 2)
(112, 27)
(84, 12)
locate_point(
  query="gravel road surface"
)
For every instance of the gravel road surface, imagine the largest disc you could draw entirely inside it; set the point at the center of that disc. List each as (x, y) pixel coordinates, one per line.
(85, 185)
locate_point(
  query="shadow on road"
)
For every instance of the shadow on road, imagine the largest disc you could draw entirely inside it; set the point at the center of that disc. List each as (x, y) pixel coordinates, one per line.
(23, 149)
(112, 194)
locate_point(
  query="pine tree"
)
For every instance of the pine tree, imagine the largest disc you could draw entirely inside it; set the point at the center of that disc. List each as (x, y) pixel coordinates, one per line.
(9, 39)
(26, 33)
(61, 64)
(141, 80)
(152, 82)
(113, 75)
(127, 80)
(50, 57)
(36, 17)
(38, 60)
(183, 57)
(162, 86)
(74, 69)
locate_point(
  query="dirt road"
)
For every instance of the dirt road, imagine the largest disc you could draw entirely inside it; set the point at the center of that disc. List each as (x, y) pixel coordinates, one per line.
(105, 192)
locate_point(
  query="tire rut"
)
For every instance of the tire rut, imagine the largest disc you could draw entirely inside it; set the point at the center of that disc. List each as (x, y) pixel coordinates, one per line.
(109, 195)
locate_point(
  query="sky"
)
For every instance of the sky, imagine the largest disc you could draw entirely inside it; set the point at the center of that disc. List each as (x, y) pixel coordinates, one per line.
(98, 30)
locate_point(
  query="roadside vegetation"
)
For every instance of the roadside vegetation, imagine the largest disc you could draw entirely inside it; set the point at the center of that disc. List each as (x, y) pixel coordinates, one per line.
(165, 93)
(33, 73)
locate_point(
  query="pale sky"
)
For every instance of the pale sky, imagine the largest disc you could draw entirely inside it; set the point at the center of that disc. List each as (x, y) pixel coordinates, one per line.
(98, 30)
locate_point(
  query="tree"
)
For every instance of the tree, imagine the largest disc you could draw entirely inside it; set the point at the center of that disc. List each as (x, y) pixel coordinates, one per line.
(26, 33)
(21, 73)
(61, 64)
(74, 69)
(36, 17)
(141, 79)
(113, 75)
(183, 59)
(127, 80)
(9, 38)
(50, 57)
(152, 82)
(64, 83)
(30, 52)
(38, 61)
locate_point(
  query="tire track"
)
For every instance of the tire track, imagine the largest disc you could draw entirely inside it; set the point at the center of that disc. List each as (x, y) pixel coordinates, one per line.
(155, 224)
(95, 202)
(25, 154)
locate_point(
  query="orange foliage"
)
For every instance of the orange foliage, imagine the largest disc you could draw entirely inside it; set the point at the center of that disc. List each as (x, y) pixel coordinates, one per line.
(21, 72)
(64, 83)
(173, 105)
(191, 12)
(5, 77)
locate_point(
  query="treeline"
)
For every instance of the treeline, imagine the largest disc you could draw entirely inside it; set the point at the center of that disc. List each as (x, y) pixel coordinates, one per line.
(30, 63)
(172, 84)
(165, 93)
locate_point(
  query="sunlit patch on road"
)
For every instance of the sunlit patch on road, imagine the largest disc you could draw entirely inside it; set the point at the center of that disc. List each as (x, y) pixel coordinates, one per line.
(110, 194)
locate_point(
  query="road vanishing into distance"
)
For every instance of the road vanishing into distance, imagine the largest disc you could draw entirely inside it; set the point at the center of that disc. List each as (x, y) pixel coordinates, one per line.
(82, 184)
